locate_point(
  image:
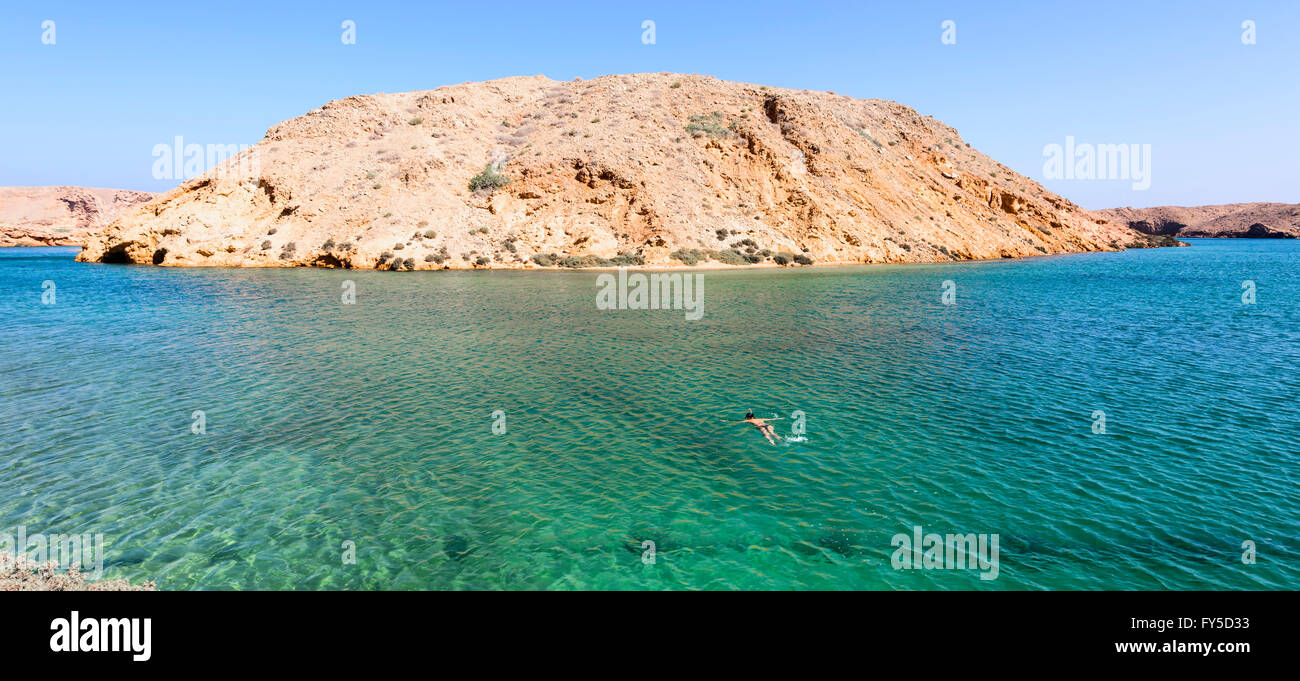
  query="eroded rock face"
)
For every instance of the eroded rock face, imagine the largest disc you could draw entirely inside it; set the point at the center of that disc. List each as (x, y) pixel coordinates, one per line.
(60, 216)
(640, 165)
(1235, 220)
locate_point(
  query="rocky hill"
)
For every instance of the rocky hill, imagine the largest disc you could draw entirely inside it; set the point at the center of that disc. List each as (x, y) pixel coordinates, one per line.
(60, 216)
(649, 169)
(1238, 220)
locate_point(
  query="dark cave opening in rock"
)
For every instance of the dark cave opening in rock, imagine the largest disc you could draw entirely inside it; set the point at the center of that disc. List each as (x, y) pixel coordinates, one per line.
(116, 256)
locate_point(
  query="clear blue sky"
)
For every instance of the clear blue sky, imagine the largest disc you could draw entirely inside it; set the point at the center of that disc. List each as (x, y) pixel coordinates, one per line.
(1222, 118)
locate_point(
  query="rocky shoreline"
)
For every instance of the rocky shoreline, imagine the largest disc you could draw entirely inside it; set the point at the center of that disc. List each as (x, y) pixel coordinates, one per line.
(20, 573)
(1226, 221)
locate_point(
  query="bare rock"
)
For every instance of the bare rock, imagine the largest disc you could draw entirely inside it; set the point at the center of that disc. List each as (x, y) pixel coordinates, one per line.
(626, 167)
(60, 216)
(1233, 220)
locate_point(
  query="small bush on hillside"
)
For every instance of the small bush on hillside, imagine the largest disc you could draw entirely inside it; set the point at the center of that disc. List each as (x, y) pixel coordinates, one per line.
(488, 180)
(578, 261)
(730, 256)
(688, 256)
(710, 125)
(627, 259)
(440, 257)
(783, 258)
(803, 259)
(544, 259)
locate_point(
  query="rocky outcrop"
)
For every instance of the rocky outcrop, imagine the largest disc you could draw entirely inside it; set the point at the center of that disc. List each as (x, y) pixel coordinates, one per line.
(1233, 220)
(60, 216)
(623, 169)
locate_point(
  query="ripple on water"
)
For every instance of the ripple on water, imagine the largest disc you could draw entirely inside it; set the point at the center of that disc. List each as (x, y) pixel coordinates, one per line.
(369, 426)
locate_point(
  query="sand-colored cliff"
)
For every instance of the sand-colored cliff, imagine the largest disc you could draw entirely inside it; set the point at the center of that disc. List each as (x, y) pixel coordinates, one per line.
(622, 169)
(60, 216)
(1234, 220)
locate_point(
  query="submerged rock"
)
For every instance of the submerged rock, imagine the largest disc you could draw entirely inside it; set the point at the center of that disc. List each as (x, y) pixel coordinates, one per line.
(456, 547)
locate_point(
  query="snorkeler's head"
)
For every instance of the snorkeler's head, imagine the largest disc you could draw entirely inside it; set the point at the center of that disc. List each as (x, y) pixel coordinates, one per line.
(749, 414)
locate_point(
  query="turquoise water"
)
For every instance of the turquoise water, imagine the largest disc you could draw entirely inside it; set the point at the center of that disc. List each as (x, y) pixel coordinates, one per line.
(371, 423)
